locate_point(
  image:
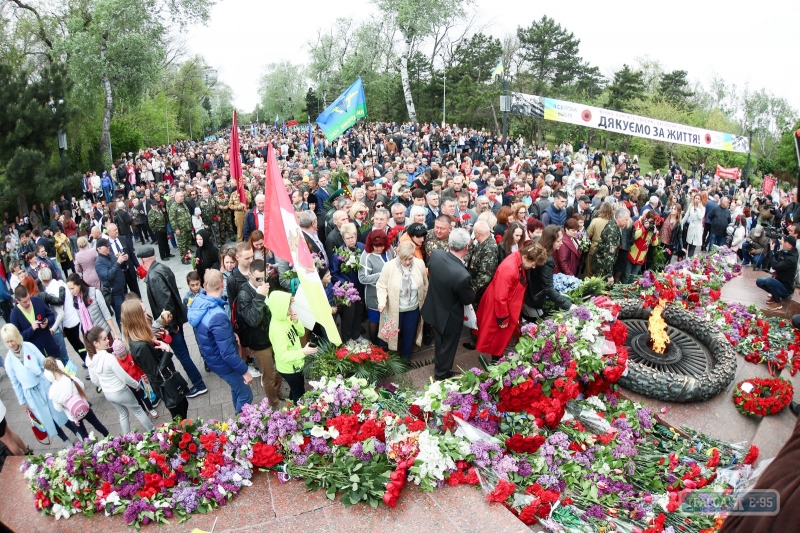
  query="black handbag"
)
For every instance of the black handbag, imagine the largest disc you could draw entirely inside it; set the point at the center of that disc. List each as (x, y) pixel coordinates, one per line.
(173, 389)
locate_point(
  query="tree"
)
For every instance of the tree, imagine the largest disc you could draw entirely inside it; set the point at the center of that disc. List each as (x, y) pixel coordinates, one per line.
(281, 90)
(119, 45)
(628, 85)
(417, 20)
(673, 88)
(313, 105)
(32, 111)
(659, 158)
(550, 52)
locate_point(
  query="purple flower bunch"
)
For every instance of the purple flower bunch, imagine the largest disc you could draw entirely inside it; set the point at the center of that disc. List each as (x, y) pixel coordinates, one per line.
(345, 293)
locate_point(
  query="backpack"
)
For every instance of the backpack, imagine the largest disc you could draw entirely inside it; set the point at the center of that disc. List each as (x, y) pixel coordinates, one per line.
(77, 407)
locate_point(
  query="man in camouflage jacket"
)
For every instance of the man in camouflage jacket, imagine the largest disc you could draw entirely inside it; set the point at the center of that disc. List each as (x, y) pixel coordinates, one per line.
(239, 211)
(608, 246)
(481, 261)
(223, 201)
(181, 220)
(157, 219)
(209, 212)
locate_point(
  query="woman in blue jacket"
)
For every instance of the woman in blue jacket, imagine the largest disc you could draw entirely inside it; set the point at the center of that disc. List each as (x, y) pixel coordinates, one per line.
(33, 319)
(341, 271)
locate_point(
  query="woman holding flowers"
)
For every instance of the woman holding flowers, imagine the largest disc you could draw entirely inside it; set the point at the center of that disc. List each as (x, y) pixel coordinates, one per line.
(377, 252)
(400, 293)
(345, 265)
(501, 304)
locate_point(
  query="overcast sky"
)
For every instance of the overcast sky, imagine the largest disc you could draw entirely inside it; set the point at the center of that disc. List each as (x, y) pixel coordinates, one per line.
(754, 44)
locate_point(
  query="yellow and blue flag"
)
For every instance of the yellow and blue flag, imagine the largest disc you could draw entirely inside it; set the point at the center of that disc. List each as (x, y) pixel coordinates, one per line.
(498, 69)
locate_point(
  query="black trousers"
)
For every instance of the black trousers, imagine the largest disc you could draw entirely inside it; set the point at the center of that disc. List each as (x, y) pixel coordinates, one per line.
(145, 232)
(73, 335)
(133, 282)
(297, 385)
(163, 246)
(445, 345)
(351, 316)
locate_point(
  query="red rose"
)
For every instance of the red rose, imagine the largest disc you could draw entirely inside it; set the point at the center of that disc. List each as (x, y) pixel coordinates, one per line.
(38, 317)
(185, 455)
(90, 301)
(193, 447)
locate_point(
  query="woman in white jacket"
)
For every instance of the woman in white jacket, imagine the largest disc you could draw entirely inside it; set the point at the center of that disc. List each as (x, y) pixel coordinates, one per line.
(105, 371)
(694, 215)
(62, 389)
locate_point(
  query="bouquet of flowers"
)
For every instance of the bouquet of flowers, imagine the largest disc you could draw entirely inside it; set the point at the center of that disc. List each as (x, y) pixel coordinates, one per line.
(350, 260)
(360, 359)
(583, 242)
(345, 293)
(564, 283)
(395, 233)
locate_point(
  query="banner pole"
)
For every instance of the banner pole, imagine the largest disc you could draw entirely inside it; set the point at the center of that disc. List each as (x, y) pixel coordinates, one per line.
(749, 150)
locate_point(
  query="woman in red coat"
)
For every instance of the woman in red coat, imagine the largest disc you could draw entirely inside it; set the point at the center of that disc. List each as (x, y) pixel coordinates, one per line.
(568, 257)
(501, 304)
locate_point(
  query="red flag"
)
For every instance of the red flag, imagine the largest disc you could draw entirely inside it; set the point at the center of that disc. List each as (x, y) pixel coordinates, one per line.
(277, 206)
(236, 160)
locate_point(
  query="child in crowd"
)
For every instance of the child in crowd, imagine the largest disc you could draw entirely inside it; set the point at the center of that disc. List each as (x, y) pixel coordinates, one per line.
(193, 280)
(285, 331)
(65, 387)
(127, 363)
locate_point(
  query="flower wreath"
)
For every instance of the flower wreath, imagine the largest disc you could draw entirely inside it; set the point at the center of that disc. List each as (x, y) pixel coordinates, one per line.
(766, 396)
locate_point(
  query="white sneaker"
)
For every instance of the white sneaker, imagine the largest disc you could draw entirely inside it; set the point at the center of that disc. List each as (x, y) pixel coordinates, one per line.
(254, 371)
(153, 413)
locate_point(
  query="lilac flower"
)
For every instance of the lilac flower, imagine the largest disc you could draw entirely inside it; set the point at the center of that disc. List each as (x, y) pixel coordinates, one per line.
(595, 511)
(581, 313)
(548, 482)
(481, 451)
(645, 416)
(136, 508)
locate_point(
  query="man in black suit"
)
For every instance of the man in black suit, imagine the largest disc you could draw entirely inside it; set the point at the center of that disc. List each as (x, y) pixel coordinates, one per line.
(307, 220)
(449, 291)
(334, 239)
(121, 244)
(123, 221)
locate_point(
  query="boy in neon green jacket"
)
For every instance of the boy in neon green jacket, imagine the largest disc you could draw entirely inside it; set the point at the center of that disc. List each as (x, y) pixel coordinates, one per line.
(285, 331)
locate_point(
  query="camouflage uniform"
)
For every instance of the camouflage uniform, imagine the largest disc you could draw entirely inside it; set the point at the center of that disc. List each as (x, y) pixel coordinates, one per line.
(606, 254)
(181, 219)
(210, 213)
(157, 219)
(240, 210)
(433, 243)
(225, 221)
(481, 261)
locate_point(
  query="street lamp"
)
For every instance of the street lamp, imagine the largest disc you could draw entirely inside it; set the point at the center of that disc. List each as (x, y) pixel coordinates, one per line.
(62, 145)
(505, 103)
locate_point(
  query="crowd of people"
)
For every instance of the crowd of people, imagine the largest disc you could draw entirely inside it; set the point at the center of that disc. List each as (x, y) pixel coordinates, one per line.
(409, 223)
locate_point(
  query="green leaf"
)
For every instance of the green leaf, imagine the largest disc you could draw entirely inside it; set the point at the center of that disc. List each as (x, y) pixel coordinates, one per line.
(593, 493)
(355, 479)
(331, 493)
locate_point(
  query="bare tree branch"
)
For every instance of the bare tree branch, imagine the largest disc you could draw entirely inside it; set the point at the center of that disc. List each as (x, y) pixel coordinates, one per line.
(41, 33)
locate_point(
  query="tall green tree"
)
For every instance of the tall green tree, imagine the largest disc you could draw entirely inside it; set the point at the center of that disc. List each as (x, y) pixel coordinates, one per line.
(32, 111)
(119, 45)
(627, 86)
(550, 52)
(417, 20)
(281, 90)
(674, 88)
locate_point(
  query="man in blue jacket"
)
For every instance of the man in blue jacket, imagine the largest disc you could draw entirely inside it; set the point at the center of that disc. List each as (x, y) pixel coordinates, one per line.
(109, 272)
(217, 342)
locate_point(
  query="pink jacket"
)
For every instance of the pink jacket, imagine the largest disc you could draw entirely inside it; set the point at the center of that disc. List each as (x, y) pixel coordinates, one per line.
(84, 265)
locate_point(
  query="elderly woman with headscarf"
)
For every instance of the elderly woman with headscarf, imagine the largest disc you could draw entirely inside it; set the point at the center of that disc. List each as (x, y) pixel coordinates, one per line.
(401, 291)
(207, 255)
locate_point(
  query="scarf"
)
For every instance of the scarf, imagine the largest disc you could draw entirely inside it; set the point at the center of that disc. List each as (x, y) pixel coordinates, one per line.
(405, 282)
(86, 318)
